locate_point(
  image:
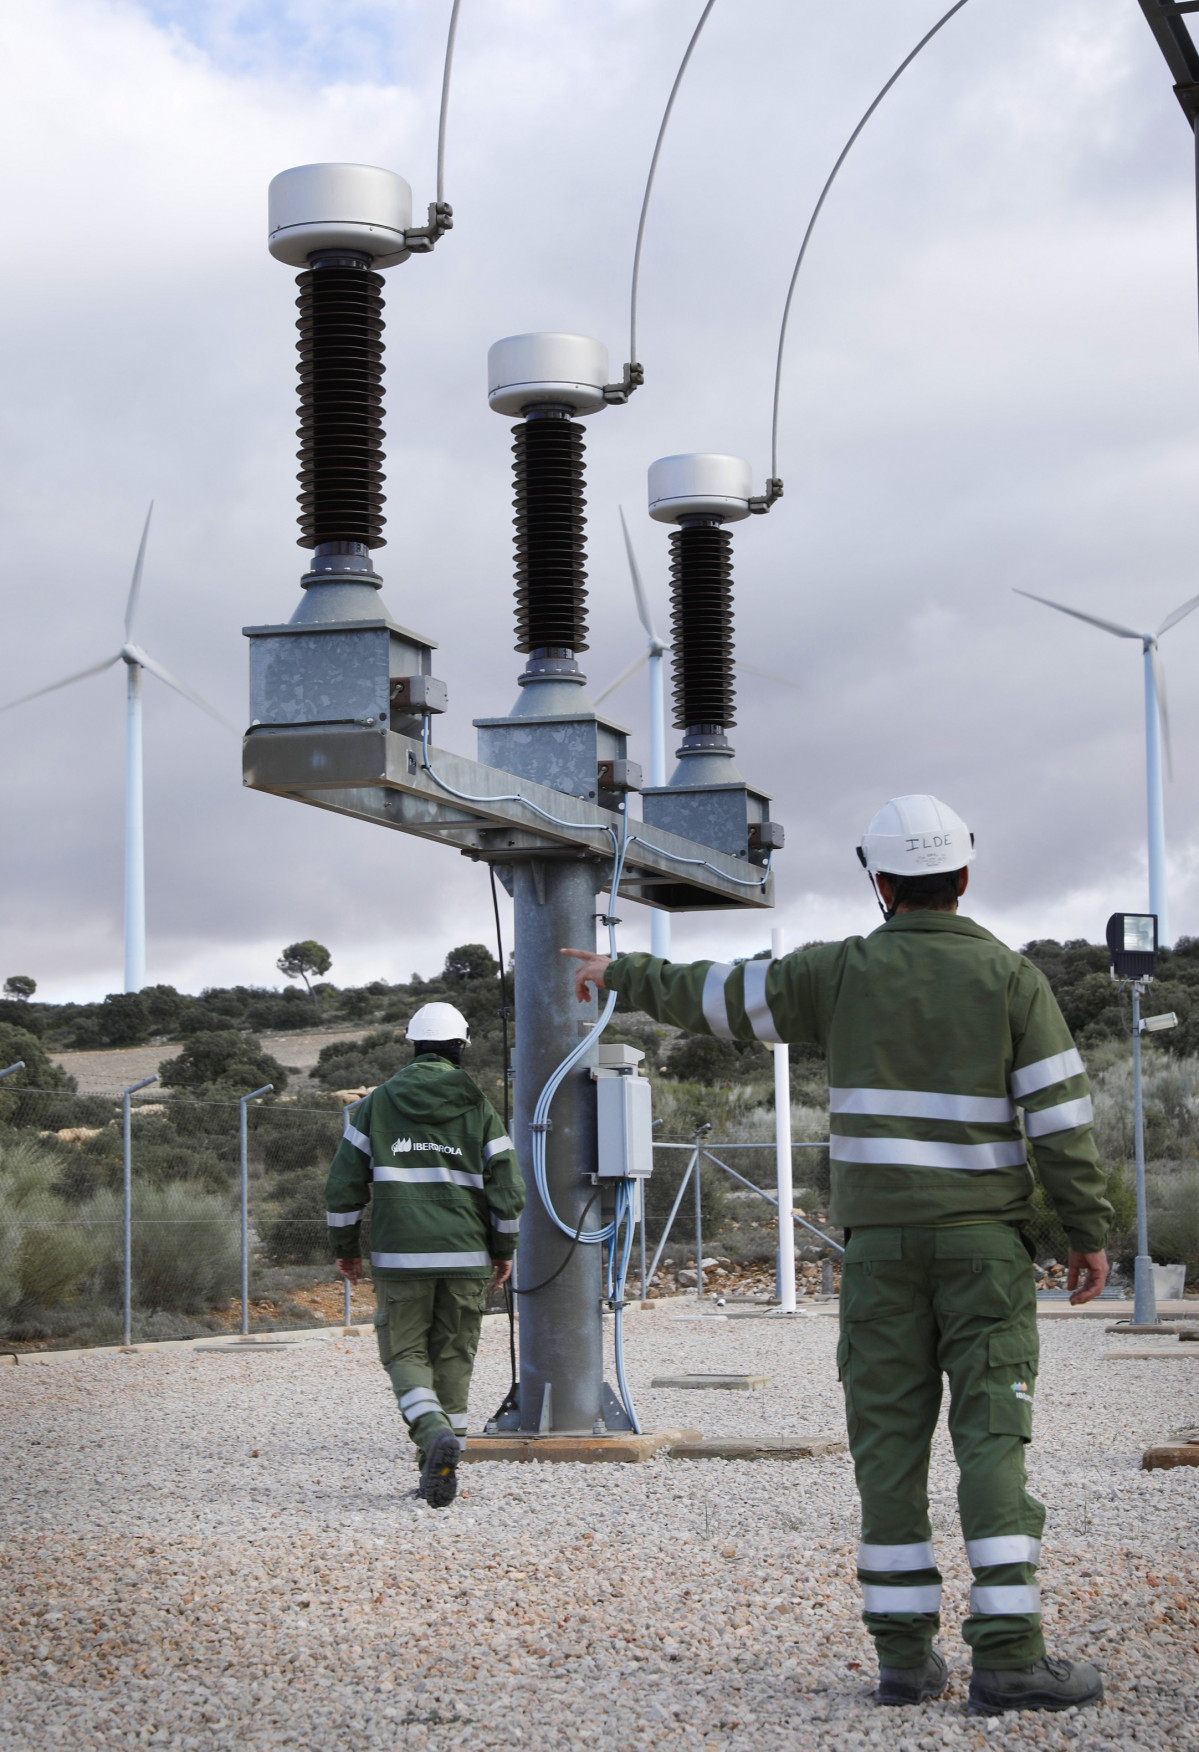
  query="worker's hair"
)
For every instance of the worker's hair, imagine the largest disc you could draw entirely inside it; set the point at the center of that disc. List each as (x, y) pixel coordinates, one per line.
(936, 893)
(446, 1049)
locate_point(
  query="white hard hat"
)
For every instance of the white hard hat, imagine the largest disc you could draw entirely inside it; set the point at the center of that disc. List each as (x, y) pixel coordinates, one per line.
(916, 836)
(438, 1022)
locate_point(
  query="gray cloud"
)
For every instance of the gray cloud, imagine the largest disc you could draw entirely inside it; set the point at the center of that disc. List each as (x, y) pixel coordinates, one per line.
(991, 381)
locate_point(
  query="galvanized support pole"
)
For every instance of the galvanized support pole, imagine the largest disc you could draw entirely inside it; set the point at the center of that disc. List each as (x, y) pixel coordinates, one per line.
(784, 1286)
(699, 1227)
(127, 1209)
(640, 1193)
(561, 1333)
(243, 1144)
(1144, 1306)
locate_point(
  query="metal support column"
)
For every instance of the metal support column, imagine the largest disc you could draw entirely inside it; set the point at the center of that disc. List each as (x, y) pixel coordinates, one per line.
(561, 1333)
(1144, 1307)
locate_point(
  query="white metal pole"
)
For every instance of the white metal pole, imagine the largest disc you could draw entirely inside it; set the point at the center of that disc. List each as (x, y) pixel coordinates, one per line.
(243, 1139)
(785, 1275)
(1158, 902)
(135, 838)
(659, 922)
(127, 1208)
(1144, 1305)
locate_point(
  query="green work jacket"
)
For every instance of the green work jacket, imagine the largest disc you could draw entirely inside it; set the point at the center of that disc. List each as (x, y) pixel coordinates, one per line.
(429, 1151)
(938, 1039)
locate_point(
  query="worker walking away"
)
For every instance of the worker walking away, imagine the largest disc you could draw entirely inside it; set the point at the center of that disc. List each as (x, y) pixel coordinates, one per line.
(429, 1151)
(935, 1034)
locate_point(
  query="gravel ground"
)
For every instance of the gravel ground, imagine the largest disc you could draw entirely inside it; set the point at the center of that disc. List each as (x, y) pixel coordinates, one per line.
(152, 1600)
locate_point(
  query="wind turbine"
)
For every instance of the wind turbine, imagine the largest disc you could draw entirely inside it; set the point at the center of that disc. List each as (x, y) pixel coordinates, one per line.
(1157, 731)
(135, 660)
(654, 654)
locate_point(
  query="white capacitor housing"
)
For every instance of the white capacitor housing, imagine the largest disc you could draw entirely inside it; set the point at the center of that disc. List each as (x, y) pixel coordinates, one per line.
(699, 485)
(338, 206)
(624, 1126)
(526, 371)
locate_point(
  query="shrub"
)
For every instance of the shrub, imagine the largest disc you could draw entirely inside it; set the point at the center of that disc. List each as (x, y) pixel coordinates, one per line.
(298, 1234)
(222, 1056)
(306, 1144)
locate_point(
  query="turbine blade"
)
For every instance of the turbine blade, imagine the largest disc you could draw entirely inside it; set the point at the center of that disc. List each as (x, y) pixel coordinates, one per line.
(767, 675)
(80, 675)
(155, 668)
(1172, 620)
(1159, 682)
(135, 587)
(643, 613)
(625, 675)
(1091, 619)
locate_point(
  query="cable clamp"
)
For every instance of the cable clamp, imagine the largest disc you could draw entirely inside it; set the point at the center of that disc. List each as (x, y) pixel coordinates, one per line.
(419, 239)
(761, 503)
(633, 378)
(545, 1125)
(608, 919)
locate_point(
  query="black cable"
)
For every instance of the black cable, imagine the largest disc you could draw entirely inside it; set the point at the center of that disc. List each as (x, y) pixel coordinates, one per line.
(504, 1013)
(546, 1282)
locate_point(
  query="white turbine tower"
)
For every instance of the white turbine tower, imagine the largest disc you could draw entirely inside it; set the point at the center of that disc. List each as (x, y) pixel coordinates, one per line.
(654, 654)
(1157, 732)
(135, 660)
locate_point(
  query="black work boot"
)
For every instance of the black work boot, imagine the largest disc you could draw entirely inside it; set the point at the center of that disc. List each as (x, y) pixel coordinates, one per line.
(439, 1476)
(913, 1684)
(1047, 1684)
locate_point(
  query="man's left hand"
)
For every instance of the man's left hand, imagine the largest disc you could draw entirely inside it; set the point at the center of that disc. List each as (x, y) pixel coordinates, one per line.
(1086, 1275)
(351, 1270)
(502, 1272)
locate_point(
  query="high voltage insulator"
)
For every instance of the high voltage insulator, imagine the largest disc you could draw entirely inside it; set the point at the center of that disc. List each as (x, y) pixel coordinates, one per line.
(549, 380)
(341, 401)
(550, 546)
(701, 619)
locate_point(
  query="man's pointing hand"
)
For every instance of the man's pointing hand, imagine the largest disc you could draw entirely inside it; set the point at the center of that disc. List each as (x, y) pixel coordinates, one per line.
(590, 971)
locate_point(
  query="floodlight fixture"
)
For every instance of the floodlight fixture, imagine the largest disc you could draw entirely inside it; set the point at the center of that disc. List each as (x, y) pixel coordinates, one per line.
(1132, 945)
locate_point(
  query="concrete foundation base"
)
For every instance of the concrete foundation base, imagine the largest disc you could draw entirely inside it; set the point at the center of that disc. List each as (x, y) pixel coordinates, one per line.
(623, 1448)
(1170, 1454)
(758, 1448)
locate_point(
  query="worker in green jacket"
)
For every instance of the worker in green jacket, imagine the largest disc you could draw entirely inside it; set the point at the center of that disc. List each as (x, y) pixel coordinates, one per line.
(429, 1151)
(938, 1037)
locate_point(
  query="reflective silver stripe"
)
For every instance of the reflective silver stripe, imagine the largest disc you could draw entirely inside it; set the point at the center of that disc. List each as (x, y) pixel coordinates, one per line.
(716, 1012)
(1046, 1071)
(1064, 1117)
(995, 1602)
(1003, 1548)
(876, 1598)
(459, 1421)
(917, 1153)
(431, 1261)
(417, 1401)
(359, 1139)
(756, 1008)
(495, 1146)
(922, 1104)
(505, 1225)
(343, 1219)
(428, 1176)
(882, 1559)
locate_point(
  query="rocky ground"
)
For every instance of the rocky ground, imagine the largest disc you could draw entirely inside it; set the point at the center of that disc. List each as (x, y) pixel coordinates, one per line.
(209, 1550)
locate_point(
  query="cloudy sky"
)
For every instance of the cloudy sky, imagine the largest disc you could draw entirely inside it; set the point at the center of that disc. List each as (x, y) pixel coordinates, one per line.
(991, 382)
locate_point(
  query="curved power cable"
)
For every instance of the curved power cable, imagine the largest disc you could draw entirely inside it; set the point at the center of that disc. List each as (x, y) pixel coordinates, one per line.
(803, 248)
(445, 101)
(633, 375)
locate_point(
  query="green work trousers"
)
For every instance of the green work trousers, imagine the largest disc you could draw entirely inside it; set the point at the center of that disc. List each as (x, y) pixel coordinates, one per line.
(428, 1331)
(917, 1304)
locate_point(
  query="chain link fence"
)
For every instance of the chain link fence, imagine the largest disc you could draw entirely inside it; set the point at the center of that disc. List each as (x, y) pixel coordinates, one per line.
(62, 1243)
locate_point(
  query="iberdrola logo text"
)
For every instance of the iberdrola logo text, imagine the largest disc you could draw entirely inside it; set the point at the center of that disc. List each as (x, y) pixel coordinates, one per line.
(1020, 1389)
(406, 1147)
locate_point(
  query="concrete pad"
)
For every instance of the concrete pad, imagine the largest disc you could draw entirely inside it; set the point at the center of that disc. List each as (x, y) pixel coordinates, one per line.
(622, 1448)
(1170, 1454)
(758, 1448)
(708, 1383)
(1173, 1353)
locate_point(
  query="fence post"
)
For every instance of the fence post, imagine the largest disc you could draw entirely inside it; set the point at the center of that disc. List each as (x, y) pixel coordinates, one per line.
(243, 1145)
(127, 1207)
(699, 1227)
(784, 1277)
